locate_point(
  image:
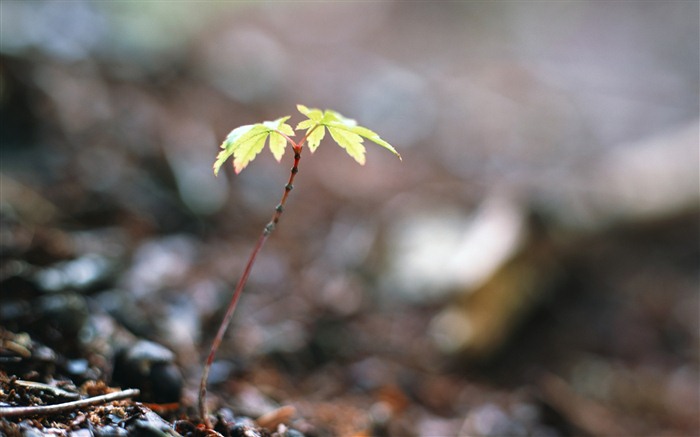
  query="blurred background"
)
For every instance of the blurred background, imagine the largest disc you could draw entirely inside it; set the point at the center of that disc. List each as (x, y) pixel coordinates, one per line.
(530, 268)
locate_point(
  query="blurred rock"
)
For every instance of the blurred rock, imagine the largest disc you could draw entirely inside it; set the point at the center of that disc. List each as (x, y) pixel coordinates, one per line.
(24, 203)
(491, 420)
(121, 305)
(87, 272)
(68, 32)
(397, 102)
(432, 254)
(481, 319)
(149, 367)
(252, 401)
(22, 356)
(247, 63)
(66, 312)
(151, 424)
(191, 167)
(651, 179)
(160, 263)
(502, 264)
(497, 264)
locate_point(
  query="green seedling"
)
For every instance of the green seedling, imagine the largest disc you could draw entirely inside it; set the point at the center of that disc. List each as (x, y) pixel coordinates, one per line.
(244, 144)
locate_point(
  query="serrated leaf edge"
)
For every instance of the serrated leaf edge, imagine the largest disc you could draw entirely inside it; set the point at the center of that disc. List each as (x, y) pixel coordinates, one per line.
(316, 124)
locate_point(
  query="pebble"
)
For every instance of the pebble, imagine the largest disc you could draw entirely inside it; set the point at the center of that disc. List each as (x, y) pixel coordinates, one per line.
(82, 273)
(151, 425)
(149, 367)
(110, 431)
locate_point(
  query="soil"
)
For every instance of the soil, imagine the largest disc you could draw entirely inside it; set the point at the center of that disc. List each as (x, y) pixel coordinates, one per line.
(117, 263)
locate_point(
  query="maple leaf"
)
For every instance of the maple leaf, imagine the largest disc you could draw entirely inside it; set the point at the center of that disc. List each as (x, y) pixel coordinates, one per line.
(343, 130)
(245, 142)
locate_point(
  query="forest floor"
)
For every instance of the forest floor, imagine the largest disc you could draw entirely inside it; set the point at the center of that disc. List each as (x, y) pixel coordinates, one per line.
(117, 262)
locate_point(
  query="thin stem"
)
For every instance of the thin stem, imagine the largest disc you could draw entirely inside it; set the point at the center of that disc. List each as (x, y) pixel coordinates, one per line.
(269, 228)
(45, 410)
(303, 140)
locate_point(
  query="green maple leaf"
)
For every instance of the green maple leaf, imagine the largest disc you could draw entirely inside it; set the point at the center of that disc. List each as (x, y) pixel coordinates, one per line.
(246, 142)
(343, 130)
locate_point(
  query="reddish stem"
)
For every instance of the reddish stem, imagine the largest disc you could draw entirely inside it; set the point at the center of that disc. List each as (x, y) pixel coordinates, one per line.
(279, 209)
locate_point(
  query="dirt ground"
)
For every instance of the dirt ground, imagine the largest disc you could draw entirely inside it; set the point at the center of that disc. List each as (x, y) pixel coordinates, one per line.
(502, 280)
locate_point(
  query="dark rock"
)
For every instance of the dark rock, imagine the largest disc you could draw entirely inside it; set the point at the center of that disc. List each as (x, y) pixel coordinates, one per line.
(151, 425)
(149, 367)
(110, 431)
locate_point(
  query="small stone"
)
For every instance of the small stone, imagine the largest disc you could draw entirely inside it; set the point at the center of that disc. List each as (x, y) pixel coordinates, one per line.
(149, 367)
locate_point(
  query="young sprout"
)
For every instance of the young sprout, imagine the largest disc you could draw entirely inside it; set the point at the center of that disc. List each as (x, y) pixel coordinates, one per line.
(244, 144)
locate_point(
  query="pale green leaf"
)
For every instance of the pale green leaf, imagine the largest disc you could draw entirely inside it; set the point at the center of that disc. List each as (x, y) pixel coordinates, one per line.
(340, 127)
(314, 129)
(276, 124)
(306, 124)
(330, 116)
(315, 137)
(278, 142)
(229, 145)
(244, 154)
(220, 159)
(277, 145)
(350, 141)
(246, 142)
(248, 146)
(313, 113)
(372, 136)
(286, 129)
(233, 136)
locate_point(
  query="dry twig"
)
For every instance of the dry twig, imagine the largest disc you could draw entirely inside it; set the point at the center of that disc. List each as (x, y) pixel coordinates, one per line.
(45, 410)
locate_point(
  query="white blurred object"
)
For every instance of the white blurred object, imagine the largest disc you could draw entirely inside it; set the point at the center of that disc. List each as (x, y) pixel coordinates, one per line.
(651, 178)
(493, 235)
(433, 253)
(647, 180)
(483, 315)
